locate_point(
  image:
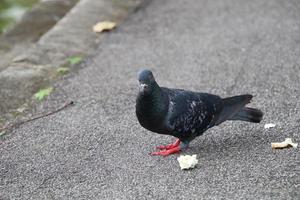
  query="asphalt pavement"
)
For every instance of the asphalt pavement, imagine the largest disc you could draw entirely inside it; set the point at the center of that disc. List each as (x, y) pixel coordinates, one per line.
(97, 150)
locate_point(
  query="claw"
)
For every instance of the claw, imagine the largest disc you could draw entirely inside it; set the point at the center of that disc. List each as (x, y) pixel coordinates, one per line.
(170, 146)
(167, 152)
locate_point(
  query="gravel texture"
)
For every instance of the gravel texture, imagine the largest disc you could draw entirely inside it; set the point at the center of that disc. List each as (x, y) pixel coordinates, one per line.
(97, 150)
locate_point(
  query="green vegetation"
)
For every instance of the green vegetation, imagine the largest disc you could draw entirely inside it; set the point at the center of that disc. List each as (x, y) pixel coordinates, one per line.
(41, 94)
(62, 70)
(2, 133)
(74, 60)
(12, 10)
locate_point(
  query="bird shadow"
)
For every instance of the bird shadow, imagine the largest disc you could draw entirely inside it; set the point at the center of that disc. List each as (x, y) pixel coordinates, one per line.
(229, 144)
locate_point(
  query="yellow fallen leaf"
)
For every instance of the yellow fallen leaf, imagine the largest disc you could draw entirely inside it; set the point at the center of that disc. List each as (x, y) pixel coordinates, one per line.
(104, 26)
(286, 143)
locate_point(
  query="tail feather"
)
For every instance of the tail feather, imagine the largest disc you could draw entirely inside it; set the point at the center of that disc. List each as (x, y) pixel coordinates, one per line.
(234, 109)
(249, 115)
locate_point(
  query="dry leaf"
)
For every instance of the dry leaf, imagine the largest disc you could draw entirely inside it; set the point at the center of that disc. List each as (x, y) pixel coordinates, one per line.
(267, 126)
(286, 143)
(187, 162)
(104, 26)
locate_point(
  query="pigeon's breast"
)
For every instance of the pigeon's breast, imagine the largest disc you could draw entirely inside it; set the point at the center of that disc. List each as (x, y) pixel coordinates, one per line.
(151, 122)
(151, 116)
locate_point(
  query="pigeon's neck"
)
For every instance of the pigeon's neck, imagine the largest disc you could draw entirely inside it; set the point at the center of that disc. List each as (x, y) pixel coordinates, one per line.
(152, 108)
(155, 103)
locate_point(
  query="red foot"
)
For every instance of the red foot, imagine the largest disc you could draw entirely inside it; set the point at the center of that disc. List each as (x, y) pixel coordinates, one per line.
(170, 146)
(167, 152)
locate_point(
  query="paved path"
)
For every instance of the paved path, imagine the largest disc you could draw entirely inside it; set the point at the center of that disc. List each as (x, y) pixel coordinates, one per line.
(97, 150)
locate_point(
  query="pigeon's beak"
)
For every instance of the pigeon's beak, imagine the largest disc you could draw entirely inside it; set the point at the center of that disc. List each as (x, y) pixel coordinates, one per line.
(143, 87)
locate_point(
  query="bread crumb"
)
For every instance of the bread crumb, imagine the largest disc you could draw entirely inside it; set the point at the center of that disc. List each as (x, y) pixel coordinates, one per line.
(267, 126)
(187, 161)
(285, 144)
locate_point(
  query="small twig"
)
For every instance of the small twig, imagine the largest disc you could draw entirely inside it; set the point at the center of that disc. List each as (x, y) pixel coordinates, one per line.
(11, 126)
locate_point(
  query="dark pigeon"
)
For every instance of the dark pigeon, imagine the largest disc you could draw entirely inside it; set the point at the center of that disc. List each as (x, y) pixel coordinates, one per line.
(185, 114)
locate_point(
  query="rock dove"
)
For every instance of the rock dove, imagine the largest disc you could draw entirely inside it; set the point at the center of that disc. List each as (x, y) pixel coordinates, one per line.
(186, 114)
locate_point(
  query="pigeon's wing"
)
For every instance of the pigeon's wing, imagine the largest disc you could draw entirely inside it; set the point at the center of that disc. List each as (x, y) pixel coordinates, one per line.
(190, 113)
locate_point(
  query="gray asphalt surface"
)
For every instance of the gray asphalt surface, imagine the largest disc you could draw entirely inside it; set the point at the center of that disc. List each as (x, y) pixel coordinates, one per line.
(97, 150)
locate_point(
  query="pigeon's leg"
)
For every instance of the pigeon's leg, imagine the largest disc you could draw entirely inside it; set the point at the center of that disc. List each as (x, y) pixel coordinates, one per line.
(170, 146)
(173, 150)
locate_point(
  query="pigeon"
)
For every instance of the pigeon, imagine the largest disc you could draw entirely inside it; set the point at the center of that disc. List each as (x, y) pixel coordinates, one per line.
(186, 114)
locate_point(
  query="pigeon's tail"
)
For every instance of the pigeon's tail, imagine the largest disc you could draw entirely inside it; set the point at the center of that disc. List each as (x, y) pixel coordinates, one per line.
(234, 109)
(248, 115)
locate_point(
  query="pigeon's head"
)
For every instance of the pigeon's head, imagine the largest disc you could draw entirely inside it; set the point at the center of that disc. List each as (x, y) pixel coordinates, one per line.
(146, 81)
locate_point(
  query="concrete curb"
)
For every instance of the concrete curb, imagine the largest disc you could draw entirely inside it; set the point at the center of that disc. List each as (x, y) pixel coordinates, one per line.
(71, 36)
